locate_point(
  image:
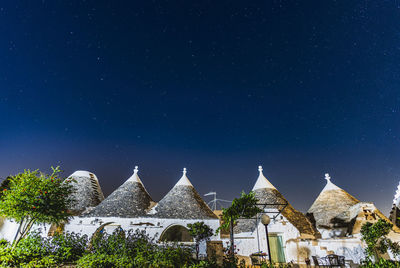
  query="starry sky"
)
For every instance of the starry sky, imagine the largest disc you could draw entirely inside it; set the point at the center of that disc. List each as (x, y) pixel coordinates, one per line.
(220, 87)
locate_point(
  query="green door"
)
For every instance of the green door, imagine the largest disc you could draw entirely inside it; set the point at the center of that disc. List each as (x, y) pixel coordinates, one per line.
(277, 250)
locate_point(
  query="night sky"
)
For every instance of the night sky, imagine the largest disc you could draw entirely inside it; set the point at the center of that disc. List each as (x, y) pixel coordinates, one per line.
(219, 87)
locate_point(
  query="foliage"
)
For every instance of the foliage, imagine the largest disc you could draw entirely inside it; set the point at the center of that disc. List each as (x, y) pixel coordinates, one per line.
(66, 248)
(5, 184)
(243, 207)
(4, 243)
(374, 235)
(230, 258)
(34, 197)
(102, 260)
(127, 249)
(204, 264)
(200, 232)
(380, 263)
(37, 251)
(169, 256)
(273, 265)
(119, 249)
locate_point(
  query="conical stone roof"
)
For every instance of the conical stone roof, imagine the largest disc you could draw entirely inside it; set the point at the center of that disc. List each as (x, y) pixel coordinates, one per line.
(182, 202)
(331, 202)
(130, 200)
(266, 193)
(87, 191)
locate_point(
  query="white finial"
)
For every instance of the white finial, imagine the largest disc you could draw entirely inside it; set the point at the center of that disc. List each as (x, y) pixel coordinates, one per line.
(135, 176)
(184, 180)
(327, 177)
(262, 182)
(329, 185)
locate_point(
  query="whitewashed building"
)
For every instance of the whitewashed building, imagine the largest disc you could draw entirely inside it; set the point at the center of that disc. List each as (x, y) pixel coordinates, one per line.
(287, 230)
(395, 212)
(338, 216)
(131, 207)
(331, 226)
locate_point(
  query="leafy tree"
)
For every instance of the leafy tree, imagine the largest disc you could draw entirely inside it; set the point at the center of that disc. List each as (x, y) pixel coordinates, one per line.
(243, 207)
(200, 232)
(374, 235)
(33, 197)
(5, 184)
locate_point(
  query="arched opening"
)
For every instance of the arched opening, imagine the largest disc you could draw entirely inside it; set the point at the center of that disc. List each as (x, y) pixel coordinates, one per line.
(176, 233)
(99, 231)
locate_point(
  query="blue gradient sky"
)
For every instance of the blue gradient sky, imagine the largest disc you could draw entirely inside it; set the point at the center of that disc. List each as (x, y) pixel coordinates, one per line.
(219, 87)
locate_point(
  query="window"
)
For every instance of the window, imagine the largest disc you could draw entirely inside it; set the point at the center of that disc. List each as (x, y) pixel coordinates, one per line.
(176, 233)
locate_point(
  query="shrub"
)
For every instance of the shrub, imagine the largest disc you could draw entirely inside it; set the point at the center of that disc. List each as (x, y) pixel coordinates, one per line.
(37, 251)
(380, 263)
(170, 256)
(102, 260)
(29, 249)
(125, 249)
(375, 236)
(68, 247)
(204, 264)
(119, 249)
(4, 243)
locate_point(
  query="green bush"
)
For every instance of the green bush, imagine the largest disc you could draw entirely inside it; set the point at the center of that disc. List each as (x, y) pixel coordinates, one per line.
(102, 260)
(4, 243)
(167, 256)
(68, 247)
(6, 257)
(380, 263)
(204, 264)
(32, 248)
(274, 265)
(120, 250)
(375, 236)
(128, 249)
(37, 251)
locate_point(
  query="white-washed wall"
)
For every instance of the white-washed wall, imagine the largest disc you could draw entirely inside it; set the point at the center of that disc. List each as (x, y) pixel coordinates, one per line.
(154, 227)
(332, 233)
(8, 229)
(296, 249)
(251, 242)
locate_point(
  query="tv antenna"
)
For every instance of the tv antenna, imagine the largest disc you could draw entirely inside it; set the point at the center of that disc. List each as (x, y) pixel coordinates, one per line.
(215, 200)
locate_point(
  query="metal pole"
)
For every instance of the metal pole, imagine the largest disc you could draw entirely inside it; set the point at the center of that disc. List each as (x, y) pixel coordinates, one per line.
(215, 200)
(258, 235)
(269, 251)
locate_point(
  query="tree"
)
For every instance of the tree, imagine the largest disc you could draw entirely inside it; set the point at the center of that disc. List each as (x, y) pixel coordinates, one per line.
(200, 232)
(243, 207)
(374, 235)
(5, 184)
(33, 197)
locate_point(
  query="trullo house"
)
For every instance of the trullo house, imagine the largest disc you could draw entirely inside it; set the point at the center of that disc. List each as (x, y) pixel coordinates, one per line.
(338, 216)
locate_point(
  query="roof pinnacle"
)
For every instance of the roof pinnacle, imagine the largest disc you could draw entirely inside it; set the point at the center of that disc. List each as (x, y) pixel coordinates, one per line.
(262, 182)
(329, 185)
(327, 177)
(184, 180)
(136, 170)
